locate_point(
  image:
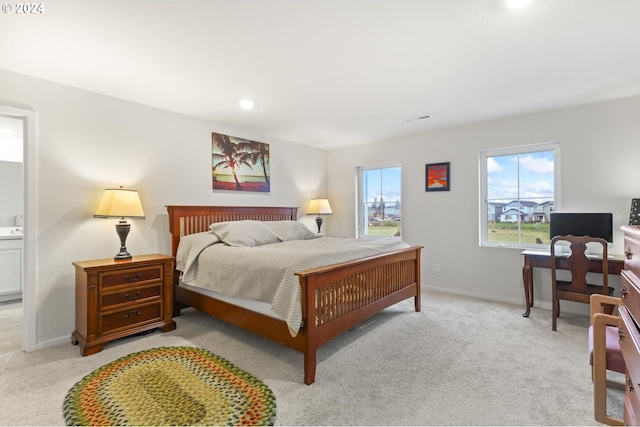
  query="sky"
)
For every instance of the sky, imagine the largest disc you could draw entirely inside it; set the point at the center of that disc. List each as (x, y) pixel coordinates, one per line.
(529, 178)
(383, 182)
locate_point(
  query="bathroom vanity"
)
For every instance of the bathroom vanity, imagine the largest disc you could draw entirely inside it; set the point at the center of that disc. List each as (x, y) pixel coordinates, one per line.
(10, 263)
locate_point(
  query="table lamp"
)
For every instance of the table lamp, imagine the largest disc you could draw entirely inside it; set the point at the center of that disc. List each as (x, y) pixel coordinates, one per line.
(319, 207)
(120, 203)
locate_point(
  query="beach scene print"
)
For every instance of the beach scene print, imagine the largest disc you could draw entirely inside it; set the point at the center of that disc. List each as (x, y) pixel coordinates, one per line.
(239, 164)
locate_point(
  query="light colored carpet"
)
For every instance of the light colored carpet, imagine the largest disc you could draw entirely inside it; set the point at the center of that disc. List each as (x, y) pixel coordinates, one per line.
(461, 361)
(10, 326)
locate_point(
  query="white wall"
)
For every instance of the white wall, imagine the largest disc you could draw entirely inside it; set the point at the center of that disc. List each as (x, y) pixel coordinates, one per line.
(87, 142)
(600, 172)
(11, 199)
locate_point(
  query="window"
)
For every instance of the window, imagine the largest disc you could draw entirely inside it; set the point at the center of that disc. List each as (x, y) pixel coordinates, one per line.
(379, 201)
(519, 188)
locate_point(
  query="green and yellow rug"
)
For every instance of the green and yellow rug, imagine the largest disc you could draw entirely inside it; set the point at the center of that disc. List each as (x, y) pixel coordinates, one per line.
(170, 386)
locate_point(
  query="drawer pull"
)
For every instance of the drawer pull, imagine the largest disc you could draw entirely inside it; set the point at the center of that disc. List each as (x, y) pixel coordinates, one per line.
(136, 312)
(629, 385)
(628, 253)
(624, 292)
(132, 298)
(133, 279)
(621, 334)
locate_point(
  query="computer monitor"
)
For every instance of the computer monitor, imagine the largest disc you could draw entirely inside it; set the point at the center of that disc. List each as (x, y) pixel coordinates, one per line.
(582, 224)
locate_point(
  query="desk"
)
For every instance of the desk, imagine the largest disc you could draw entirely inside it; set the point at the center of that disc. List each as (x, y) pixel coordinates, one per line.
(542, 259)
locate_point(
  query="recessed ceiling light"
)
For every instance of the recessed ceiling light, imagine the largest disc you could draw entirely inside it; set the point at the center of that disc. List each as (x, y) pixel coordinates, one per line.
(518, 4)
(246, 104)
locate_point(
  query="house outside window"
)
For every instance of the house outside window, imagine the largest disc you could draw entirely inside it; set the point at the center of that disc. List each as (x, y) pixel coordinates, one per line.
(379, 201)
(519, 188)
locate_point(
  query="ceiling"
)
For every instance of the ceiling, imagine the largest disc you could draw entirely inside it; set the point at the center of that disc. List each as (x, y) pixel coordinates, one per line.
(334, 73)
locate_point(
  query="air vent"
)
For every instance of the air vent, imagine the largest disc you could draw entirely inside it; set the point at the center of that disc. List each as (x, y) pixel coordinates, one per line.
(411, 119)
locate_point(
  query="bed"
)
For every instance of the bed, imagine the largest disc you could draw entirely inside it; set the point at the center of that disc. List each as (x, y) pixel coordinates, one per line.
(329, 304)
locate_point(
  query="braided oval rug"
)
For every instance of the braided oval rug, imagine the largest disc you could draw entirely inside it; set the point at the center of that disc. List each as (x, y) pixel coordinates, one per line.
(169, 386)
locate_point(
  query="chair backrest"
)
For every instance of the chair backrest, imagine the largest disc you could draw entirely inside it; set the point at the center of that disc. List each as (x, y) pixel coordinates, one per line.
(579, 263)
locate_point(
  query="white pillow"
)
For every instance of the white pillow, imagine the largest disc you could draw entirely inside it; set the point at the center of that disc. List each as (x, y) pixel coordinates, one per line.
(244, 233)
(290, 230)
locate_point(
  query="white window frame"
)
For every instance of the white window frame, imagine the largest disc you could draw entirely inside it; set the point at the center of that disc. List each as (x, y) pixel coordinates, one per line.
(360, 219)
(484, 211)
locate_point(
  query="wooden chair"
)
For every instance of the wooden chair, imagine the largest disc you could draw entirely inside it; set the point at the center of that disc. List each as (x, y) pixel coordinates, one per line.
(605, 355)
(578, 262)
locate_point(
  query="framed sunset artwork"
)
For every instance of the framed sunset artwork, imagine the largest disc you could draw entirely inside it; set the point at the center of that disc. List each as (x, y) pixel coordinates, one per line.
(437, 177)
(239, 164)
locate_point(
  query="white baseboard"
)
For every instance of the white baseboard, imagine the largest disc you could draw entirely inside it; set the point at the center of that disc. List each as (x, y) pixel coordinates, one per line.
(51, 343)
(545, 305)
(475, 295)
(567, 306)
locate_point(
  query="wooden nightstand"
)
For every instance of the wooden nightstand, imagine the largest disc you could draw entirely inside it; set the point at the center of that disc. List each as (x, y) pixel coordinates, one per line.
(115, 299)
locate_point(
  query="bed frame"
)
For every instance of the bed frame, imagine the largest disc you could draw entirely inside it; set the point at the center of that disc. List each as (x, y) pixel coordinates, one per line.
(334, 298)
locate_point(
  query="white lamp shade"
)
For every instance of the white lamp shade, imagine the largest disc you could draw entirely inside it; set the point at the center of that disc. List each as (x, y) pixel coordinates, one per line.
(319, 207)
(120, 203)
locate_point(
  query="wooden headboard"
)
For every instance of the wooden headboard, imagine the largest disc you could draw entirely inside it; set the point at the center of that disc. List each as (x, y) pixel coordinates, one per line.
(185, 220)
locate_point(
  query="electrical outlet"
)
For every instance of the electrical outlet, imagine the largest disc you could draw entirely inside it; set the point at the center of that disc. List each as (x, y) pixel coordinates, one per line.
(437, 269)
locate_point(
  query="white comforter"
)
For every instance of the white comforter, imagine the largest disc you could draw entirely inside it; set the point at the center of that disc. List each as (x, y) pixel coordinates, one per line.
(265, 273)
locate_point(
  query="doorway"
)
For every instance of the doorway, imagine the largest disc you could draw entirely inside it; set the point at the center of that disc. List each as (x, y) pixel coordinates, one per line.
(26, 119)
(11, 226)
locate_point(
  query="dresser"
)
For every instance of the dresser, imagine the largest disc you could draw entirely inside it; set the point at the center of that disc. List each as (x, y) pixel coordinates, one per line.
(629, 318)
(119, 298)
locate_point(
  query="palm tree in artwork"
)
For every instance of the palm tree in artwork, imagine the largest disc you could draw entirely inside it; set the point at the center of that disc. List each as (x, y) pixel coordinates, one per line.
(229, 156)
(259, 151)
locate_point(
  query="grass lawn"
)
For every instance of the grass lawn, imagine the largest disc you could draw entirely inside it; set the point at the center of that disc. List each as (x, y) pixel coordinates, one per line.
(508, 232)
(498, 232)
(385, 230)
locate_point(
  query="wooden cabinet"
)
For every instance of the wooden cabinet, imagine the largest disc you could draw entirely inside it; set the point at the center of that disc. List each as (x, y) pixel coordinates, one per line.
(118, 298)
(10, 274)
(10, 268)
(629, 318)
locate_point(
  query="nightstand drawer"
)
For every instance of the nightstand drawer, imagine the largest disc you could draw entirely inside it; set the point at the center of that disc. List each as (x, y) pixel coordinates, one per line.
(130, 296)
(128, 318)
(129, 277)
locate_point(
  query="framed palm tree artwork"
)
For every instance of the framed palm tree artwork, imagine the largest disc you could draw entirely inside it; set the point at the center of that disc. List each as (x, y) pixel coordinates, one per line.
(437, 177)
(239, 164)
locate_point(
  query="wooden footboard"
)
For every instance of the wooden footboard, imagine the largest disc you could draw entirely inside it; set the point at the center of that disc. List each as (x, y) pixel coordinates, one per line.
(334, 298)
(340, 296)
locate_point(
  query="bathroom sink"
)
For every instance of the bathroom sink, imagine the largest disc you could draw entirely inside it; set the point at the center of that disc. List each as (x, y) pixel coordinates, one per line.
(10, 233)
